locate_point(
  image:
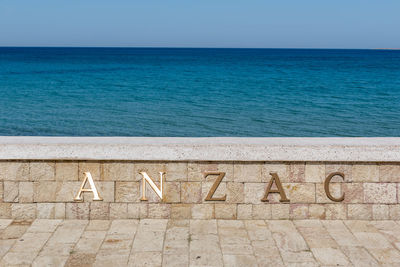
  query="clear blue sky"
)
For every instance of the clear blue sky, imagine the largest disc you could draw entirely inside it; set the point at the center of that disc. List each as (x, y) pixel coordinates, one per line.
(201, 23)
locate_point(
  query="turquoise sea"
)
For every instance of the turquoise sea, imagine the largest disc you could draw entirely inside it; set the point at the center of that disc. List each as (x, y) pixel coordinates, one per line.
(199, 92)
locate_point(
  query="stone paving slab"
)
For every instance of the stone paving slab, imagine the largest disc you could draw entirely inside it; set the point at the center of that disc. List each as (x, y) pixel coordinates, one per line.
(163, 242)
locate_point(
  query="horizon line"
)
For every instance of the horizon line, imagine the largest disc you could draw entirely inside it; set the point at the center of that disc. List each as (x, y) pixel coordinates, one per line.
(195, 47)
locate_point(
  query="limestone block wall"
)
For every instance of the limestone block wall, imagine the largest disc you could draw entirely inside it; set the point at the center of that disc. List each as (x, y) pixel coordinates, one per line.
(45, 188)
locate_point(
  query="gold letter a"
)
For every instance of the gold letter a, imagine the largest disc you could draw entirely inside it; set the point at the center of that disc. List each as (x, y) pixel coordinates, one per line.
(88, 177)
(279, 189)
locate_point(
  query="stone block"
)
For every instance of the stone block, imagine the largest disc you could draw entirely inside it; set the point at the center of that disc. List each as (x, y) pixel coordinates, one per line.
(191, 192)
(99, 211)
(152, 169)
(175, 260)
(25, 192)
(42, 171)
(315, 172)
(330, 256)
(389, 173)
(176, 172)
(235, 192)
(5, 210)
(1, 191)
(127, 192)
(335, 211)
(394, 212)
(172, 192)
(344, 168)
(137, 210)
(380, 193)
(89, 166)
(206, 228)
(14, 171)
(118, 211)
(245, 211)
(359, 212)
(45, 210)
(59, 211)
(196, 170)
(296, 173)
(261, 212)
(15, 230)
(203, 211)
(118, 171)
(23, 211)
(300, 192)
(380, 212)
(181, 211)
(280, 211)
(46, 191)
(247, 172)
(225, 211)
(50, 260)
(66, 171)
(64, 192)
(282, 169)
(30, 243)
(298, 211)
(239, 260)
(366, 172)
(316, 211)
(159, 211)
(354, 192)
(10, 193)
(80, 259)
(78, 211)
(44, 226)
(254, 192)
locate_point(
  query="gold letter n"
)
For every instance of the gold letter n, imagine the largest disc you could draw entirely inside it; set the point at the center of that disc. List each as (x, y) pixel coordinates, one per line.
(158, 191)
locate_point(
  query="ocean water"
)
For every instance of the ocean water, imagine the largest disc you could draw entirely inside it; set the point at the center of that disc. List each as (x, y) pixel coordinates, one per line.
(199, 92)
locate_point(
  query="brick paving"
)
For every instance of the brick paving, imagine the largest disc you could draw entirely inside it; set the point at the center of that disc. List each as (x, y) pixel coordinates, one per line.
(162, 242)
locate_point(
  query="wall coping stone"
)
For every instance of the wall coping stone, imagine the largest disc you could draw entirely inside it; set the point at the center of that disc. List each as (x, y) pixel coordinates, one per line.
(382, 149)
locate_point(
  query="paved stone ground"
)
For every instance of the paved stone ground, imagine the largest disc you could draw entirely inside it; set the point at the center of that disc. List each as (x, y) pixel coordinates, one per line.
(157, 242)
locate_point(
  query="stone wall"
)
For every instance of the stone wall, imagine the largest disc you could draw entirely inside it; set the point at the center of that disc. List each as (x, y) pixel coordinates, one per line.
(46, 189)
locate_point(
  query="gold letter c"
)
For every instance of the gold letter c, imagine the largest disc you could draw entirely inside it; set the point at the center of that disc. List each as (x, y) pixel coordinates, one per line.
(326, 186)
